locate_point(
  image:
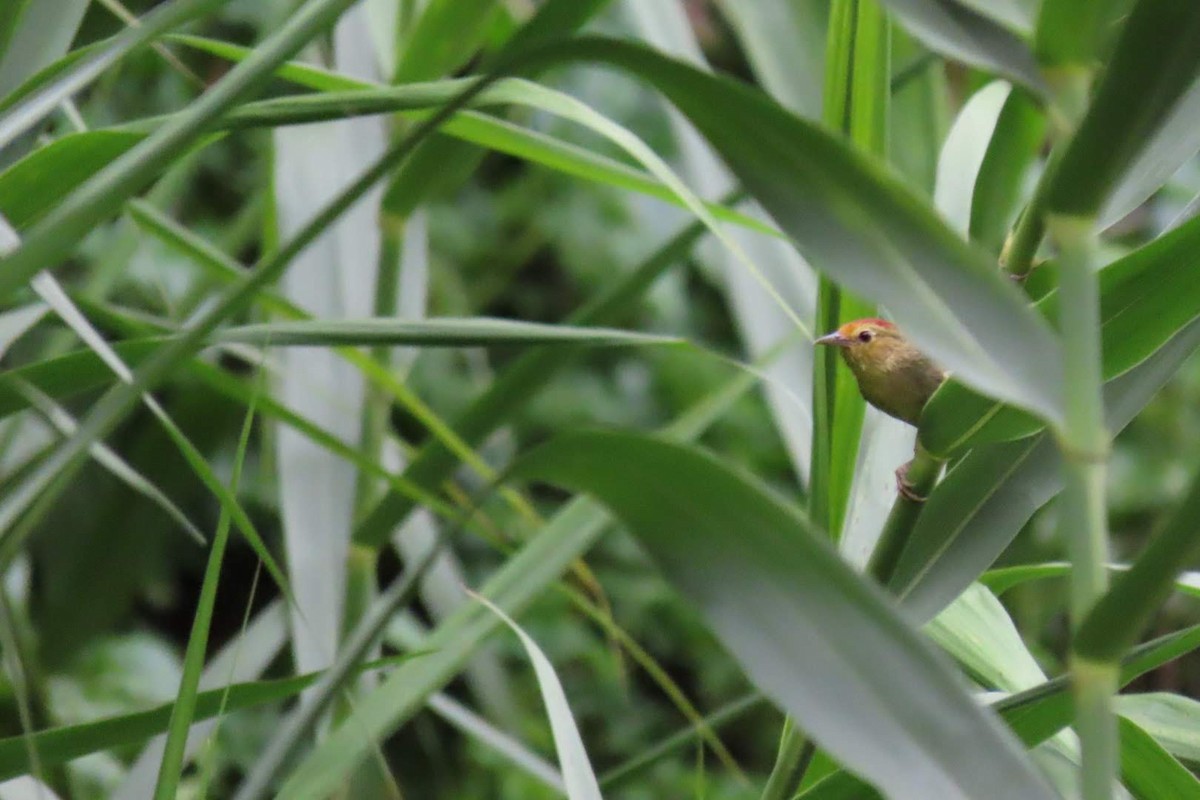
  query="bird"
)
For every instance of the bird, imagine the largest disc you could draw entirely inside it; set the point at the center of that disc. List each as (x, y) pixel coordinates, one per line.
(892, 374)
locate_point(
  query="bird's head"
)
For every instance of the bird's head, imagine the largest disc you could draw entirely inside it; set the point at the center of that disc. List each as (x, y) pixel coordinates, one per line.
(868, 343)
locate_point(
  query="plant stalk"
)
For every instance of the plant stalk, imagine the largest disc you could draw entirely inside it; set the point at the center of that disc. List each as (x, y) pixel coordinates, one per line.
(795, 750)
(922, 475)
(1084, 441)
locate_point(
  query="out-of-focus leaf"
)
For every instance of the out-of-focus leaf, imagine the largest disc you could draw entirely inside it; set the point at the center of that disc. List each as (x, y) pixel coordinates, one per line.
(34, 34)
(1002, 579)
(32, 44)
(854, 221)
(1034, 714)
(1148, 770)
(1019, 15)
(333, 279)
(443, 38)
(73, 741)
(1146, 298)
(431, 332)
(1014, 146)
(578, 776)
(954, 29)
(760, 320)
(1172, 719)
(820, 664)
(53, 237)
(564, 538)
(1176, 140)
(1157, 58)
(785, 45)
(15, 322)
(988, 496)
(32, 186)
(964, 152)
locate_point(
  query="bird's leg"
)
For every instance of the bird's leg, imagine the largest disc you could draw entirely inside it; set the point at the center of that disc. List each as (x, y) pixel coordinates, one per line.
(903, 486)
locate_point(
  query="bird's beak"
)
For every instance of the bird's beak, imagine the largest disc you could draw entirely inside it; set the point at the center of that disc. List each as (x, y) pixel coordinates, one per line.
(834, 339)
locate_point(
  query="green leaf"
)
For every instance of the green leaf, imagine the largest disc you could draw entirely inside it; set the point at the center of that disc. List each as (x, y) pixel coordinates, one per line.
(59, 82)
(1176, 140)
(578, 776)
(855, 222)
(1014, 146)
(1148, 770)
(1146, 298)
(1120, 615)
(1172, 719)
(987, 497)
(183, 711)
(1156, 60)
(1037, 713)
(32, 186)
(833, 663)
(433, 332)
(1072, 35)
(57, 745)
(956, 30)
(35, 33)
(964, 151)
(563, 539)
(101, 196)
(445, 35)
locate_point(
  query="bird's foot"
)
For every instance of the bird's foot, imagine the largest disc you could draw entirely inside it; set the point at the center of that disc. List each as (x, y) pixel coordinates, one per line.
(904, 487)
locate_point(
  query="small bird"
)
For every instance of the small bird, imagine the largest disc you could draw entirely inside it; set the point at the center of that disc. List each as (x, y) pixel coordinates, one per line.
(892, 374)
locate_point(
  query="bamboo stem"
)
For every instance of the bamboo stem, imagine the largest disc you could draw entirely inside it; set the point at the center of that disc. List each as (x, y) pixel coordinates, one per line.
(922, 474)
(1085, 441)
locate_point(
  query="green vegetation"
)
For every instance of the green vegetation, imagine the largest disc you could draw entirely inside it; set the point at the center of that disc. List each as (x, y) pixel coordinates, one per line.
(418, 398)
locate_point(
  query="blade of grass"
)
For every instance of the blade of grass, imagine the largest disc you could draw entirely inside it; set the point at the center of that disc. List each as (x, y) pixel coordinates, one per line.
(184, 709)
(539, 562)
(53, 238)
(53, 474)
(578, 776)
(36, 105)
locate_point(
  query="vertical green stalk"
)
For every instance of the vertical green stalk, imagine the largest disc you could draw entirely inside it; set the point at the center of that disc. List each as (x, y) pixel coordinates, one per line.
(857, 95)
(1083, 524)
(857, 98)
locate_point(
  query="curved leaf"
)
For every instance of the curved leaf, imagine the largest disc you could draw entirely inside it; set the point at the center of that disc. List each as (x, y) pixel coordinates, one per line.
(863, 228)
(1146, 298)
(831, 651)
(1148, 770)
(991, 493)
(955, 29)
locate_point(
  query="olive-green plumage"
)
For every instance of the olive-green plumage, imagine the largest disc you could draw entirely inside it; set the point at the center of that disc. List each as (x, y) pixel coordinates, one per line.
(892, 374)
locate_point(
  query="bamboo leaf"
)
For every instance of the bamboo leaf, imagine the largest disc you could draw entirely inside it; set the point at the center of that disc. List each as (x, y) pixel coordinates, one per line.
(54, 236)
(1148, 770)
(1146, 298)
(1155, 61)
(957, 30)
(431, 332)
(1172, 719)
(983, 502)
(963, 154)
(842, 646)
(576, 768)
(58, 745)
(564, 538)
(81, 70)
(853, 221)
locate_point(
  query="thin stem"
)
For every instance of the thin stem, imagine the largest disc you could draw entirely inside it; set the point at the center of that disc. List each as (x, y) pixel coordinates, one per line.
(789, 762)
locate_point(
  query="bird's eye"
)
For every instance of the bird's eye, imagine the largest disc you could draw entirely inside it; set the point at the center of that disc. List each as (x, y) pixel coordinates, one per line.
(865, 336)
